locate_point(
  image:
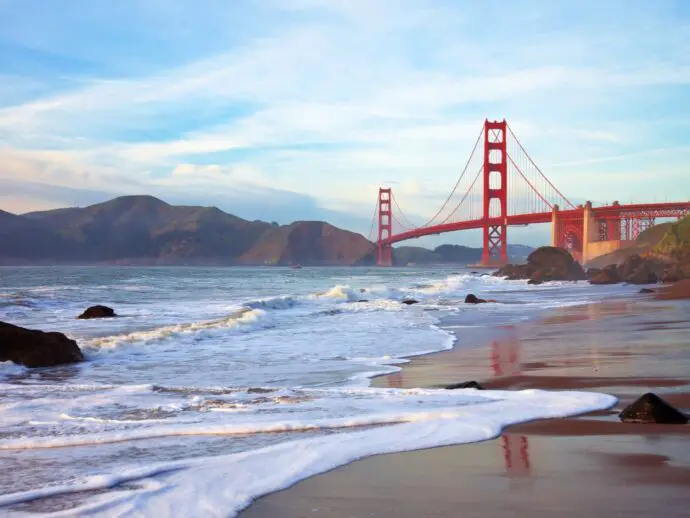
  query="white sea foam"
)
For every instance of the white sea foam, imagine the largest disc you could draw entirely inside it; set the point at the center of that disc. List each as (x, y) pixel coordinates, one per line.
(242, 320)
(224, 485)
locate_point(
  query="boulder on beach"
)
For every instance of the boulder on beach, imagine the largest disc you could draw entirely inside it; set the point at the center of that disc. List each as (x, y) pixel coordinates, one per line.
(547, 263)
(515, 272)
(34, 348)
(464, 385)
(473, 299)
(592, 272)
(608, 275)
(632, 270)
(409, 302)
(650, 408)
(638, 270)
(98, 312)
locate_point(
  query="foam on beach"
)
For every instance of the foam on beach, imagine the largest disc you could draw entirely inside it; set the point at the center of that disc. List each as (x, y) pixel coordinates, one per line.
(224, 485)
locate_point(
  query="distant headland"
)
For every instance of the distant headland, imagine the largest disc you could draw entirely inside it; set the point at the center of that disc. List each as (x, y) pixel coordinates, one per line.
(143, 230)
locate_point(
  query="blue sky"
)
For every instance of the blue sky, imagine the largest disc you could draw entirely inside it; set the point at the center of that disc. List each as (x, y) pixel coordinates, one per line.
(285, 110)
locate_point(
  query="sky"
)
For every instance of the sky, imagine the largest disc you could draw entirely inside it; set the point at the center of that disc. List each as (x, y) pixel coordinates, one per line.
(288, 110)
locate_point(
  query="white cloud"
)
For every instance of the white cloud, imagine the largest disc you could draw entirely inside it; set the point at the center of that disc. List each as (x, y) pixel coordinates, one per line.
(339, 97)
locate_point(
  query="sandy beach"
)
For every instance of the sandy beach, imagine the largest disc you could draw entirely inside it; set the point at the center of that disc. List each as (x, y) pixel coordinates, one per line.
(592, 465)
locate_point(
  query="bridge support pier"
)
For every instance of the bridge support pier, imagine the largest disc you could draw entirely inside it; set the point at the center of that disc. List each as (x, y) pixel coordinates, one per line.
(589, 231)
(555, 227)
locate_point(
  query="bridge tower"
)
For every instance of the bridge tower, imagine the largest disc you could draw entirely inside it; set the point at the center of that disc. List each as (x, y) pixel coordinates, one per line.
(495, 188)
(384, 256)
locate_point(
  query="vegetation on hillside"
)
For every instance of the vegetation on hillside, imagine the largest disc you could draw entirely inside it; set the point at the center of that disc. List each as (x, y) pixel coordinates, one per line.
(675, 243)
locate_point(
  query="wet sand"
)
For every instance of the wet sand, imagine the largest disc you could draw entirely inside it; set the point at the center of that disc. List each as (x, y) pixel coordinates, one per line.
(592, 465)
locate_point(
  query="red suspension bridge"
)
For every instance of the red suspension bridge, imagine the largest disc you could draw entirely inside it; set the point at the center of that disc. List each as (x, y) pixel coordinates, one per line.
(501, 186)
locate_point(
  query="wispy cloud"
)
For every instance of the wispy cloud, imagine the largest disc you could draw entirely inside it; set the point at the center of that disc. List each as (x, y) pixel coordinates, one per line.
(319, 102)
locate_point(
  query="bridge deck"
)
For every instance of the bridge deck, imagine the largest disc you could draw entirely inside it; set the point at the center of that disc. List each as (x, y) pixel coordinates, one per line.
(652, 210)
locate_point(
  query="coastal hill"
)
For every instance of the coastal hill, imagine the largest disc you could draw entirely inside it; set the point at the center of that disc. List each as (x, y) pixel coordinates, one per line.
(451, 254)
(147, 231)
(667, 242)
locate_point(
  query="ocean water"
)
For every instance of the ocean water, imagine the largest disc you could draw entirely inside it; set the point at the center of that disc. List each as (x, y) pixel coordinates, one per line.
(218, 385)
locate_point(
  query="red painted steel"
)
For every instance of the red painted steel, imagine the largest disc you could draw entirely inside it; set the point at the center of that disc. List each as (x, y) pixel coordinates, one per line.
(612, 222)
(495, 164)
(385, 250)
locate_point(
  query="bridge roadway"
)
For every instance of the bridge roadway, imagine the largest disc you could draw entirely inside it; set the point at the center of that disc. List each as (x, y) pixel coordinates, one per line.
(651, 210)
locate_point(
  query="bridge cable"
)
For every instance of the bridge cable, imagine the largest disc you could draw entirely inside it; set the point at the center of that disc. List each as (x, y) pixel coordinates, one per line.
(404, 227)
(458, 182)
(412, 225)
(530, 183)
(373, 222)
(537, 168)
(469, 189)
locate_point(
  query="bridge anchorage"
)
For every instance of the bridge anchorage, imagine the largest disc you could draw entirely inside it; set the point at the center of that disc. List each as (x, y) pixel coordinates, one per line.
(515, 192)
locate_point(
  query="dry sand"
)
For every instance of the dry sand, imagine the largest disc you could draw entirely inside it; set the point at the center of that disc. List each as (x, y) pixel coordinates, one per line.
(590, 466)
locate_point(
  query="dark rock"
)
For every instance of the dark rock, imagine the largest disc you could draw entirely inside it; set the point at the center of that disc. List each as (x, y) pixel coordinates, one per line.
(592, 272)
(472, 299)
(535, 281)
(629, 265)
(608, 275)
(98, 312)
(642, 276)
(409, 302)
(34, 348)
(515, 272)
(646, 290)
(650, 408)
(558, 262)
(639, 270)
(363, 300)
(464, 385)
(547, 263)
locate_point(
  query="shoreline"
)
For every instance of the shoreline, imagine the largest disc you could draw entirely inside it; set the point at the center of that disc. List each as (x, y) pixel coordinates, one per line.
(595, 464)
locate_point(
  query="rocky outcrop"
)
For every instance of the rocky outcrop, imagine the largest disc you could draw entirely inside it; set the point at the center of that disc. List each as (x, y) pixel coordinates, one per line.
(515, 272)
(650, 408)
(34, 348)
(547, 263)
(662, 251)
(409, 302)
(97, 312)
(608, 275)
(632, 270)
(473, 299)
(592, 272)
